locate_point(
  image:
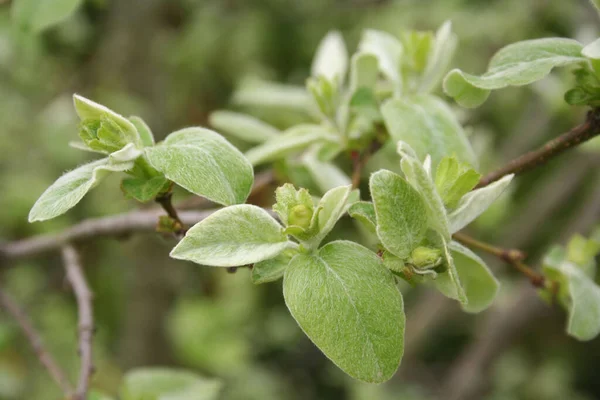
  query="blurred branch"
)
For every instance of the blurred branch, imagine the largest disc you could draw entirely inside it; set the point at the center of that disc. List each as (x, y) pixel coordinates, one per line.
(86, 318)
(35, 340)
(581, 133)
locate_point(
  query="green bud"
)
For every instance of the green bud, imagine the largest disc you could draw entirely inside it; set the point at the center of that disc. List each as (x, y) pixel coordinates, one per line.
(426, 257)
(102, 135)
(301, 216)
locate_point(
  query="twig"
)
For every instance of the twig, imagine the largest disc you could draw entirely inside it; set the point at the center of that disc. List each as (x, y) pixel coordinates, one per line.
(581, 133)
(86, 318)
(35, 340)
(360, 159)
(511, 256)
(179, 227)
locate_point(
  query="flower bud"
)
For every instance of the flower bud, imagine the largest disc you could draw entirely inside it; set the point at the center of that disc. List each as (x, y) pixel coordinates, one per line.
(301, 216)
(426, 257)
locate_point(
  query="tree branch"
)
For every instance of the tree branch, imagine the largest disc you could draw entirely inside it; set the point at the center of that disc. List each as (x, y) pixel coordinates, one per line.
(86, 318)
(34, 338)
(581, 133)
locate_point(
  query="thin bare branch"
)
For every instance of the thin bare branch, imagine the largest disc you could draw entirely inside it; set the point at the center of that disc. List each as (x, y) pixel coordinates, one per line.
(84, 296)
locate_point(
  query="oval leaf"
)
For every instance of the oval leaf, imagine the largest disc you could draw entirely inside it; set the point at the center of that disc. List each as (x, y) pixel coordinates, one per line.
(233, 236)
(387, 49)
(331, 58)
(242, 126)
(168, 384)
(204, 163)
(347, 303)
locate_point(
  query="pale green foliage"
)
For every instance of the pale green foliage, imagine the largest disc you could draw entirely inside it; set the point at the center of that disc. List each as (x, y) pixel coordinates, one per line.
(272, 95)
(349, 306)
(401, 213)
(242, 126)
(233, 236)
(429, 126)
(439, 58)
(326, 175)
(454, 179)
(204, 163)
(144, 190)
(146, 136)
(514, 65)
(38, 15)
(332, 206)
(476, 202)
(168, 384)
(272, 269)
(592, 50)
(70, 188)
(449, 282)
(364, 212)
(288, 197)
(363, 71)
(331, 58)
(388, 51)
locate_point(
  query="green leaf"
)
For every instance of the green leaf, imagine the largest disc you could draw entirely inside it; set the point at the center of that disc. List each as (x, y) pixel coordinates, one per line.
(204, 163)
(429, 126)
(364, 212)
(439, 57)
(233, 236)
(454, 179)
(325, 174)
(144, 190)
(480, 285)
(474, 203)
(449, 282)
(288, 198)
(517, 64)
(401, 213)
(292, 140)
(38, 15)
(168, 384)
(331, 58)
(272, 269)
(592, 50)
(70, 188)
(144, 131)
(364, 71)
(272, 95)
(332, 206)
(349, 306)
(388, 51)
(242, 126)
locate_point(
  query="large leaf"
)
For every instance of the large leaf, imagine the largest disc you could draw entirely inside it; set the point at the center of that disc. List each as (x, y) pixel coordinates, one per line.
(70, 188)
(233, 236)
(331, 59)
(388, 51)
(168, 384)
(348, 305)
(480, 285)
(242, 126)
(401, 213)
(514, 65)
(38, 15)
(204, 163)
(429, 126)
(474, 203)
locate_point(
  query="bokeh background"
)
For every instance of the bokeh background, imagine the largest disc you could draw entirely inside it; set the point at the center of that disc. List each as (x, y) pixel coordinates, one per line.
(173, 62)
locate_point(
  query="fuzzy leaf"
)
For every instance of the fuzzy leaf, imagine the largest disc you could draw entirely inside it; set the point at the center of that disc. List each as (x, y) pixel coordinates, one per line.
(364, 212)
(168, 384)
(349, 306)
(331, 58)
(38, 15)
(474, 203)
(401, 213)
(429, 126)
(325, 174)
(233, 236)
(330, 209)
(387, 49)
(70, 188)
(517, 64)
(287, 198)
(272, 269)
(454, 179)
(144, 190)
(439, 57)
(273, 95)
(242, 126)
(144, 131)
(204, 163)
(449, 282)
(364, 71)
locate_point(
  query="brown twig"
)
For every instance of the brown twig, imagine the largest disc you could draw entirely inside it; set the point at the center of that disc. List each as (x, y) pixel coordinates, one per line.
(35, 340)
(511, 256)
(165, 202)
(84, 296)
(581, 133)
(360, 159)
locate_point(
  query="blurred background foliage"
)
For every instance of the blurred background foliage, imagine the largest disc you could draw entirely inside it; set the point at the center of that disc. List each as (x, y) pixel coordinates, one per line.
(173, 62)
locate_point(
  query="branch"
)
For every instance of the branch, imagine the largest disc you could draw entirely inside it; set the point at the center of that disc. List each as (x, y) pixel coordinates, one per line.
(581, 133)
(179, 227)
(35, 340)
(86, 318)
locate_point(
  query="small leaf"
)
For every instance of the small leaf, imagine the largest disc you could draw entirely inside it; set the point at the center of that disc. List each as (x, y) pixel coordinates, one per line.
(144, 190)
(517, 64)
(325, 174)
(480, 285)
(126, 154)
(38, 15)
(204, 163)
(272, 95)
(349, 306)
(429, 126)
(401, 213)
(70, 188)
(242, 126)
(439, 57)
(287, 198)
(272, 269)
(474, 203)
(331, 59)
(233, 236)
(364, 71)
(364, 212)
(330, 209)
(168, 384)
(454, 179)
(293, 140)
(449, 282)
(144, 131)
(388, 51)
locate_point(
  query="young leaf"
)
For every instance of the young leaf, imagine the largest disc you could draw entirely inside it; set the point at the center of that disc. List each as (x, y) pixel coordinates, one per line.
(325, 174)
(388, 51)
(144, 190)
(126, 154)
(517, 64)
(453, 180)
(144, 131)
(330, 209)
(331, 59)
(449, 282)
(38, 15)
(204, 163)
(364, 212)
(233, 236)
(70, 188)
(294, 139)
(349, 306)
(364, 71)
(168, 384)
(401, 213)
(242, 126)
(474, 203)
(272, 95)
(272, 269)
(439, 57)
(288, 199)
(592, 50)
(480, 285)
(429, 126)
